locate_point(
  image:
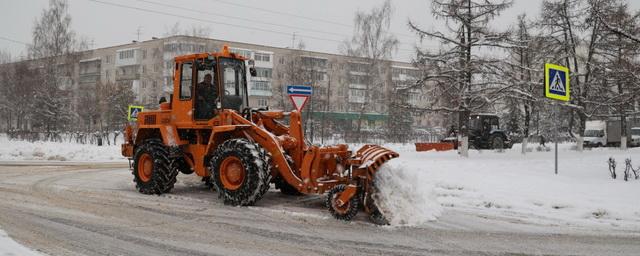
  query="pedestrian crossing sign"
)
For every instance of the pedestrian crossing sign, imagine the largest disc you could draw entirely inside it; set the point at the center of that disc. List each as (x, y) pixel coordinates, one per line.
(133, 112)
(556, 82)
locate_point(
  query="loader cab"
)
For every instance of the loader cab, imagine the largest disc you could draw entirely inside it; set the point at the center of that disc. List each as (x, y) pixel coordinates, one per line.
(234, 84)
(206, 83)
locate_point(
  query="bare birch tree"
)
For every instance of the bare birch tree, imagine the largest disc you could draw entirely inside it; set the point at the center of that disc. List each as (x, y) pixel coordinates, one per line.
(372, 41)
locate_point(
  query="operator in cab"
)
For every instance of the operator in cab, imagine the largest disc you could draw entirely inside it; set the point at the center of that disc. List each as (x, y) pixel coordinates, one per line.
(206, 98)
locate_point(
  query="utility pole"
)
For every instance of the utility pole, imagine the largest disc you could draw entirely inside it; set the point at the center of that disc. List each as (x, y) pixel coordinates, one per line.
(326, 108)
(139, 32)
(293, 41)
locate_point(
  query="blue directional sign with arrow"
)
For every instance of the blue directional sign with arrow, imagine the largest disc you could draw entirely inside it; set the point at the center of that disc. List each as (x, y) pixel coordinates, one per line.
(299, 94)
(299, 89)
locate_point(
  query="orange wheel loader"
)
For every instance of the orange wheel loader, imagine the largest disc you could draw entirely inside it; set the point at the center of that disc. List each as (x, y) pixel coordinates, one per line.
(207, 128)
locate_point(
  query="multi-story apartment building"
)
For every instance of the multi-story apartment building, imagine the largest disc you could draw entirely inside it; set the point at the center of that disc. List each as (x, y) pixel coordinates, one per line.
(341, 85)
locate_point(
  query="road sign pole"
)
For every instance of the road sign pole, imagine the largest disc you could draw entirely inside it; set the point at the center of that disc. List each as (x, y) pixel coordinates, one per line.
(556, 140)
(557, 87)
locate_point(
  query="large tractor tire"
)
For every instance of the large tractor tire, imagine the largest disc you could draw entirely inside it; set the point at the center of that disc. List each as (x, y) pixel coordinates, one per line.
(240, 172)
(152, 170)
(348, 210)
(375, 214)
(496, 142)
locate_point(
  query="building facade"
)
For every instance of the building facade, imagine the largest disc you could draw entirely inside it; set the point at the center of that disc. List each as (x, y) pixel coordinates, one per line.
(344, 95)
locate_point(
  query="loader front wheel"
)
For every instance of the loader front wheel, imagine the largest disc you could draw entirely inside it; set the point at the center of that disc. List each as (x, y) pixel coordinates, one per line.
(346, 211)
(152, 171)
(240, 172)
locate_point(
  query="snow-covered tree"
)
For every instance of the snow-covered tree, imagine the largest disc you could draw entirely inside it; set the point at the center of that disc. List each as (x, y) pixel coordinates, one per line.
(465, 80)
(54, 46)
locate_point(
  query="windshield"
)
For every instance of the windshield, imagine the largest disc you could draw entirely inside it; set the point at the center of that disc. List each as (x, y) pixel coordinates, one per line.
(234, 79)
(594, 133)
(635, 132)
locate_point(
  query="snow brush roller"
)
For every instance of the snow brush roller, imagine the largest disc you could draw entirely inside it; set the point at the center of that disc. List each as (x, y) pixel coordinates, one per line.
(343, 200)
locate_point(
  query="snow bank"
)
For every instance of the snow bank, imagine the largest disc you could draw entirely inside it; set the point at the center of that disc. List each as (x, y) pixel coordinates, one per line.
(405, 197)
(513, 185)
(10, 247)
(14, 150)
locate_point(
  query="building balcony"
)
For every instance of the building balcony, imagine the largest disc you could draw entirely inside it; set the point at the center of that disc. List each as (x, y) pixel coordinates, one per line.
(128, 76)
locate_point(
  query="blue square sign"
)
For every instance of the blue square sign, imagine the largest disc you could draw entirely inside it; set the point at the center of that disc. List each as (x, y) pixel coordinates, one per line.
(556, 82)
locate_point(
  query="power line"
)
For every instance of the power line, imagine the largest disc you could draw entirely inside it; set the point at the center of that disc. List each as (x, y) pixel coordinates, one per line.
(238, 18)
(297, 16)
(251, 20)
(14, 41)
(215, 22)
(284, 13)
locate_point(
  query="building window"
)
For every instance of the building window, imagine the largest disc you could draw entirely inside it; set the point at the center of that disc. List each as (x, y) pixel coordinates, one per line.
(261, 85)
(356, 96)
(243, 53)
(263, 57)
(263, 72)
(263, 102)
(127, 54)
(144, 54)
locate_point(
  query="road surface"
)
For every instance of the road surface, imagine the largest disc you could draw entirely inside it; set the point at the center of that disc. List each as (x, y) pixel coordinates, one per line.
(93, 209)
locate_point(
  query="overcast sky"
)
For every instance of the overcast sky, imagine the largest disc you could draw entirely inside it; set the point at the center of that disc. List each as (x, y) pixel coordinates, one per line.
(321, 24)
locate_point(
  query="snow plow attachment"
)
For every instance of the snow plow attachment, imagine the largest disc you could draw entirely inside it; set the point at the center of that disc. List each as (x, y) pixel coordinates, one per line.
(344, 201)
(369, 158)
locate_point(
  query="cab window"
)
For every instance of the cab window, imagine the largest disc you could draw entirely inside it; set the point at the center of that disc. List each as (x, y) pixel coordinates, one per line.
(186, 81)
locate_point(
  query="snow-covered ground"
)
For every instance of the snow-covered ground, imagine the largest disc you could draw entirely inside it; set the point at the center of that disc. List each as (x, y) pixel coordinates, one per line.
(419, 186)
(9, 247)
(56, 151)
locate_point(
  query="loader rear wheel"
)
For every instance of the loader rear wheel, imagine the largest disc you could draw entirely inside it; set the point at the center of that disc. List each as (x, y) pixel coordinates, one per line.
(152, 170)
(240, 172)
(346, 211)
(497, 142)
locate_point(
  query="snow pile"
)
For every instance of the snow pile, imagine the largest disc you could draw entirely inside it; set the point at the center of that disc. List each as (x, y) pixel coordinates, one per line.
(514, 186)
(405, 197)
(10, 247)
(15, 150)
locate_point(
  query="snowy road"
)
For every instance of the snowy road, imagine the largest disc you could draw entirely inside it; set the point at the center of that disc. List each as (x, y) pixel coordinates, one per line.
(81, 209)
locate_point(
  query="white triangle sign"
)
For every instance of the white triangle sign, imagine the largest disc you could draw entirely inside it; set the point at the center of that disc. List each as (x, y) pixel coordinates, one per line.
(299, 101)
(556, 83)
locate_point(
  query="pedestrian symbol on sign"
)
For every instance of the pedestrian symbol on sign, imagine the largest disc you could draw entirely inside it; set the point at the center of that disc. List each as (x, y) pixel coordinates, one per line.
(556, 80)
(557, 86)
(133, 112)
